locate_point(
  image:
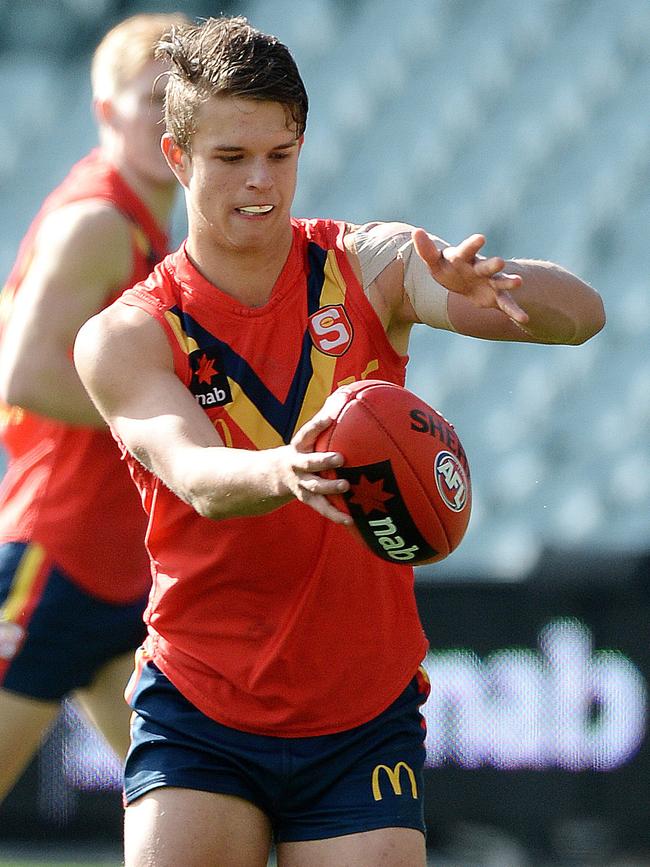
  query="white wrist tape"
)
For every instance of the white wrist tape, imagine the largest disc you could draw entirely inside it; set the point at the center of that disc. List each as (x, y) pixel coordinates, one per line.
(428, 297)
(376, 250)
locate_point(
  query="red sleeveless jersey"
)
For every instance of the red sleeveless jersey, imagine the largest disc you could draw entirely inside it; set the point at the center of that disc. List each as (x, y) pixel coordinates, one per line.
(280, 624)
(65, 486)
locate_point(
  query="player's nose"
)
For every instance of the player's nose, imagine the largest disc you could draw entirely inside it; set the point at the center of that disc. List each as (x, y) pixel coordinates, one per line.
(259, 176)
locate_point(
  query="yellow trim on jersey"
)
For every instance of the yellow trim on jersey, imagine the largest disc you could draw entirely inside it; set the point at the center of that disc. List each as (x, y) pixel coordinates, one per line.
(323, 366)
(186, 343)
(224, 431)
(141, 240)
(334, 286)
(10, 415)
(242, 410)
(370, 368)
(26, 573)
(250, 420)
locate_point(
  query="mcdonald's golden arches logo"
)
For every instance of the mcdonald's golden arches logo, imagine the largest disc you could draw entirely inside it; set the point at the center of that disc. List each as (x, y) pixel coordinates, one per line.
(394, 778)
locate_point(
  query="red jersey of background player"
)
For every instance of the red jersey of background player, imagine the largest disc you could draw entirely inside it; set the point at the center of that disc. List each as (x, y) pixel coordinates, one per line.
(65, 486)
(282, 623)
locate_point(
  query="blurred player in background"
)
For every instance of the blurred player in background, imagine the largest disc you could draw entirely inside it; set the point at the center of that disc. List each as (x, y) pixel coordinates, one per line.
(74, 575)
(278, 693)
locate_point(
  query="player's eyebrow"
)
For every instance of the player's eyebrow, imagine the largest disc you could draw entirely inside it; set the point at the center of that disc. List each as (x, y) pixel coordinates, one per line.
(236, 148)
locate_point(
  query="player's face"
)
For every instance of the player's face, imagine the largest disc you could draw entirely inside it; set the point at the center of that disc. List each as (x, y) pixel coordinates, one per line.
(137, 116)
(241, 177)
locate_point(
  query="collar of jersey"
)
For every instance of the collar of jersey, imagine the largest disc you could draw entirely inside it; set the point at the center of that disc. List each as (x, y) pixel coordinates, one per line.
(203, 291)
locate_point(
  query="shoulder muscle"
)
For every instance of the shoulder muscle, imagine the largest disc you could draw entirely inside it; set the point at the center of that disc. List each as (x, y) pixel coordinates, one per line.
(85, 243)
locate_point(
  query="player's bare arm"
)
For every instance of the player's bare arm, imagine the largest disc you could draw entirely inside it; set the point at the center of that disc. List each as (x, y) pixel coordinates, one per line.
(516, 299)
(411, 276)
(82, 253)
(126, 365)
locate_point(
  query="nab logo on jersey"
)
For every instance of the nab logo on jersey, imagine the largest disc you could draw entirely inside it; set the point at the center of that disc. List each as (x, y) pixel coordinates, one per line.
(331, 330)
(209, 387)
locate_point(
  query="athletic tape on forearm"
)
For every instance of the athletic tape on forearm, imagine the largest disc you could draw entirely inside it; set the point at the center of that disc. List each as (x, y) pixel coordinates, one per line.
(376, 251)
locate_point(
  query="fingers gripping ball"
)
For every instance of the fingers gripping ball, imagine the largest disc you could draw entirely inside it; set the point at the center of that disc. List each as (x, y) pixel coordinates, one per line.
(410, 490)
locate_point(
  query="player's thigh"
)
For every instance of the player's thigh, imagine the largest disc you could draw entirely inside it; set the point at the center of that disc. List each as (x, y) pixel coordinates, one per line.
(168, 827)
(23, 721)
(385, 847)
(104, 703)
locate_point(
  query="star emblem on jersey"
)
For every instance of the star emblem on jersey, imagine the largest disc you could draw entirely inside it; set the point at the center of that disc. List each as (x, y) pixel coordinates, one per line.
(371, 496)
(205, 370)
(209, 387)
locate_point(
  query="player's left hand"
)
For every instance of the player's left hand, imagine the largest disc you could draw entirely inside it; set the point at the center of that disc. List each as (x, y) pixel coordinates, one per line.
(461, 270)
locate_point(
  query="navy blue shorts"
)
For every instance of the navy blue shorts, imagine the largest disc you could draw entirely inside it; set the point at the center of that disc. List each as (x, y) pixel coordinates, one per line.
(311, 788)
(54, 637)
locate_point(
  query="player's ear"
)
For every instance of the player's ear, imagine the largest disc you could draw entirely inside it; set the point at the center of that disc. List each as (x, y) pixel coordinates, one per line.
(103, 109)
(177, 159)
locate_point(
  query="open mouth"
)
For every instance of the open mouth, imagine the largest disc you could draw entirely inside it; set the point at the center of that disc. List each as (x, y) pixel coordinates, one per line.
(256, 210)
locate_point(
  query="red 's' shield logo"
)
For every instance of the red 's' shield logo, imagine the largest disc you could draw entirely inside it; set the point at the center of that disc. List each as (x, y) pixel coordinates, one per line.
(331, 330)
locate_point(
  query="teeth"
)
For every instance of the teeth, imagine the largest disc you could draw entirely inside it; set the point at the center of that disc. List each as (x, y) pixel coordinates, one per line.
(256, 209)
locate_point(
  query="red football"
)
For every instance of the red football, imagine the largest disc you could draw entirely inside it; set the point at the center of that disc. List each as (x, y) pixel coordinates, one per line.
(410, 491)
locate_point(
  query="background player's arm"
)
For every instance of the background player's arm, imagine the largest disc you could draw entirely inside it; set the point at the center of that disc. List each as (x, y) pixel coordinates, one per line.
(82, 254)
(125, 363)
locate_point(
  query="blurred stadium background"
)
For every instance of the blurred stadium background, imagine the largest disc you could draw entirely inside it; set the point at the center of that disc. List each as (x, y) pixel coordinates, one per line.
(526, 120)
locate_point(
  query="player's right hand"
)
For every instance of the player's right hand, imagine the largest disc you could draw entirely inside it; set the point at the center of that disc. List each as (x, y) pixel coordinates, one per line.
(304, 468)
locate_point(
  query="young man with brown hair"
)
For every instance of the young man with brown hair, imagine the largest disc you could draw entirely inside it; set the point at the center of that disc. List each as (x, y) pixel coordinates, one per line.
(74, 575)
(277, 695)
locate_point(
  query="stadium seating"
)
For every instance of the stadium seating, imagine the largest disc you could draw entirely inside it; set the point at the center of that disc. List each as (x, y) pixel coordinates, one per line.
(522, 119)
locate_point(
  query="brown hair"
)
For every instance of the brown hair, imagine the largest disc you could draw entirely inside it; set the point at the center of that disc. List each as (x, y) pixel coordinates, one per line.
(226, 56)
(126, 49)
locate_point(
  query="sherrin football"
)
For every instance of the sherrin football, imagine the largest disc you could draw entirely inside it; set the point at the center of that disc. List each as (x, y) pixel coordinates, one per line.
(410, 491)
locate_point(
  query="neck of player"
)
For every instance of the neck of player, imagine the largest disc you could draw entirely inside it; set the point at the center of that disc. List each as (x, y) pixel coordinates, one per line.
(246, 272)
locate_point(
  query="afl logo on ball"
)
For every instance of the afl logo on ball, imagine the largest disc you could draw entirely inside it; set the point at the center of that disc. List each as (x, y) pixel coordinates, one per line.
(451, 481)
